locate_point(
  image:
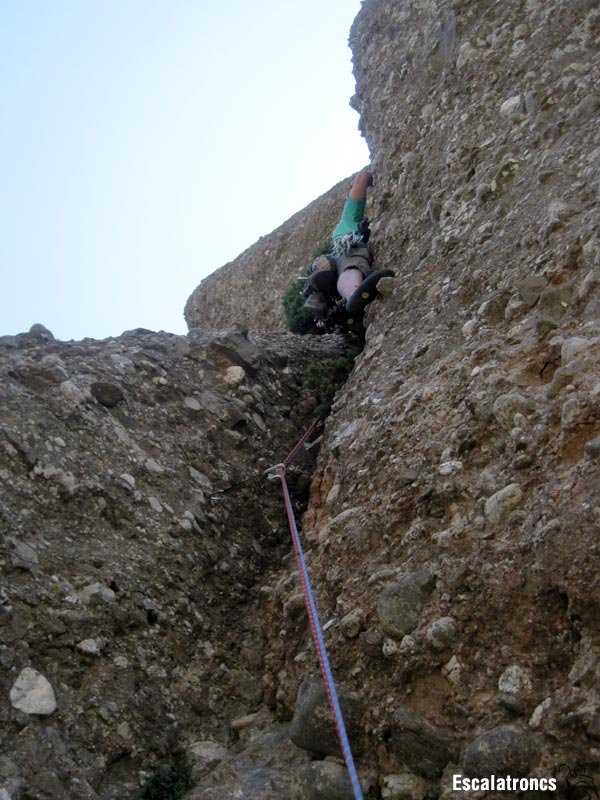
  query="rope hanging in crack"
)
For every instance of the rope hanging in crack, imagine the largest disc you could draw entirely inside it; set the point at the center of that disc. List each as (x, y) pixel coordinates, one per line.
(292, 454)
(256, 480)
(278, 471)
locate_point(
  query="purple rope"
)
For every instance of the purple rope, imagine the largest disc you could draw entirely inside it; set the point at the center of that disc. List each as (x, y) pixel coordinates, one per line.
(318, 638)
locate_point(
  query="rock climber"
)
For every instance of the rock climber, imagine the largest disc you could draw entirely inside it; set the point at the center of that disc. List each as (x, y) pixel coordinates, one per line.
(343, 281)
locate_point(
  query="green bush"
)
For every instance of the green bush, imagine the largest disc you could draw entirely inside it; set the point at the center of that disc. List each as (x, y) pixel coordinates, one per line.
(297, 318)
(324, 378)
(169, 781)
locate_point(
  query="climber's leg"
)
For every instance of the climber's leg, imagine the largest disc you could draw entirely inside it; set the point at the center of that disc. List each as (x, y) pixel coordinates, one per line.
(349, 281)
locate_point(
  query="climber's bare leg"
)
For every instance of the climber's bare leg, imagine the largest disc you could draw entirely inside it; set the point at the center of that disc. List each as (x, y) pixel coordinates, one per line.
(349, 280)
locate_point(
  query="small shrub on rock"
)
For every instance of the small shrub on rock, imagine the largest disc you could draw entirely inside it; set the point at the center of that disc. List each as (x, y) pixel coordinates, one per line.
(324, 378)
(297, 318)
(169, 781)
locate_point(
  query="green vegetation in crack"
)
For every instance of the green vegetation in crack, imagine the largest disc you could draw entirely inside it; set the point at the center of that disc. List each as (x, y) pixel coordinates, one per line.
(297, 318)
(168, 781)
(324, 378)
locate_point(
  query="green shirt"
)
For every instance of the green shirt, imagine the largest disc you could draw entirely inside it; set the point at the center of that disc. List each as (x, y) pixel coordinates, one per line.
(354, 211)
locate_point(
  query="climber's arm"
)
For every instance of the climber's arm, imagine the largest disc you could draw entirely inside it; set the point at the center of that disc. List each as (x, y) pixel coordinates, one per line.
(360, 184)
(354, 207)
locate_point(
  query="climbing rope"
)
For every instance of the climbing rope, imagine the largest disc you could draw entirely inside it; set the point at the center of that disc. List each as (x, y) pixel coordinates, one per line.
(292, 454)
(256, 480)
(278, 472)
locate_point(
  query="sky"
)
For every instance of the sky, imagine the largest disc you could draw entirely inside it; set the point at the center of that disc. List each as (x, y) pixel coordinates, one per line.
(145, 143)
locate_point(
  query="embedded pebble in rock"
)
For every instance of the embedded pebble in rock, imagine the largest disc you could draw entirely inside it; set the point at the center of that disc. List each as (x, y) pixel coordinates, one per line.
(96, 590)
(441, 633)
(507, 750)
(572, 347)
(322, 780)
(570, 412)
(129, 480)
(507, 405)
(24, 555)
(32, 693)
(450, 467)
(312, 726)
(205, 756)
(155, 505)
(537, 718)
(510, 106)
(192, 403)
(418, 744)
(403, 787)
(400, 604)
(124, 730)
(514, 686)
(333, 496)
(408, 644)
(73, 393)
(153, 467)
(352, 623)
(90, 647)
(106, 393)
(234, 376)
(499, 505)
(592, 449)
(453, 670)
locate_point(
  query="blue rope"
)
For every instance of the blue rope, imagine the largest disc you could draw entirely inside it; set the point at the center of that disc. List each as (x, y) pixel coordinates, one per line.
(319, 640)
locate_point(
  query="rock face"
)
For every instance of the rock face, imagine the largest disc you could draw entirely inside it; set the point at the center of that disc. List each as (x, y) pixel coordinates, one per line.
(131, 585)
(249, 290)
(451, 521)
(466, 439)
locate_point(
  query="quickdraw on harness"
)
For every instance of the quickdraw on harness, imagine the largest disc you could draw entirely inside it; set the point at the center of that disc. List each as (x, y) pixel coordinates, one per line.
(278, 472)
(343, 245)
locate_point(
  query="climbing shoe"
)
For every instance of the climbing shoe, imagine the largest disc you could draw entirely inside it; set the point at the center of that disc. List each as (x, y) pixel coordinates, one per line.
(353, 323)
(341, 321)
(316, 304)
(366, 291)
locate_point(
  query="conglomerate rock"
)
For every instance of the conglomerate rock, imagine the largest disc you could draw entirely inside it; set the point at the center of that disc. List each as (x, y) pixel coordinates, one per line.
(465, 447)
(465, 441)
(130, 594)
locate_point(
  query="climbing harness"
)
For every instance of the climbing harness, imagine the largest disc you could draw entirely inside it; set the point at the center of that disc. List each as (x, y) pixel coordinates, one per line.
(278, 472)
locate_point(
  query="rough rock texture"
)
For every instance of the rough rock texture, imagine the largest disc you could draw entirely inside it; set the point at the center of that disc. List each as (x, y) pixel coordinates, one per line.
(250, 288)
(131, 594)
(453, 512)
(466, 440)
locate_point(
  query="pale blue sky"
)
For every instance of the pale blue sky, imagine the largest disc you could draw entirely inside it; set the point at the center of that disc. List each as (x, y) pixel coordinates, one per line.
(145, 143)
